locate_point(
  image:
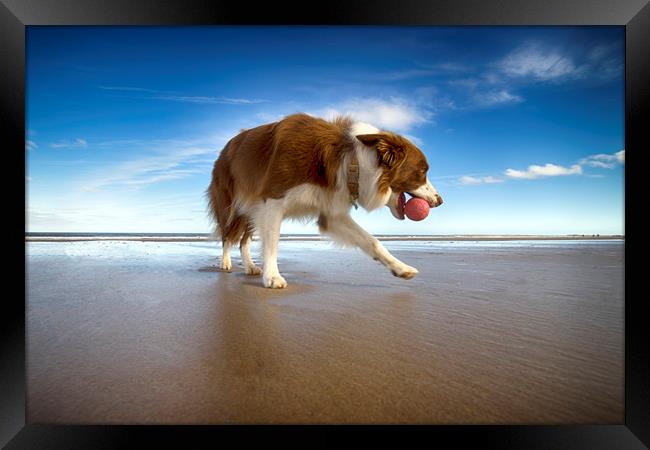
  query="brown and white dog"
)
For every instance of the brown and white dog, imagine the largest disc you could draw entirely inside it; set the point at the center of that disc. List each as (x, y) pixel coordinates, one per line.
(302, 167)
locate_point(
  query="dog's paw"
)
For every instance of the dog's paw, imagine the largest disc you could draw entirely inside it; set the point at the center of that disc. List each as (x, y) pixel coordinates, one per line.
(226, 266)
(253, 271)
(275, 282)
(404, 271)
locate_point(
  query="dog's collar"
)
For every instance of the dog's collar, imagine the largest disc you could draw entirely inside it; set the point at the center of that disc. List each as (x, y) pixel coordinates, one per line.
(353, 180)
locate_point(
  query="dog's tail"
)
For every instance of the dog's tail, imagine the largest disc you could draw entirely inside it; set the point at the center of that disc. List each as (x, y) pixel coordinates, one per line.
(221, 196)
(211, 193)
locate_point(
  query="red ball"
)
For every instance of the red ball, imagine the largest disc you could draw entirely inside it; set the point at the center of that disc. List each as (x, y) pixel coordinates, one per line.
(416, 209)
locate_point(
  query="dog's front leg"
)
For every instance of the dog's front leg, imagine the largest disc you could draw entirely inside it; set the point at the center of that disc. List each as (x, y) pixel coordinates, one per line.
(347, 231)
(268, 220)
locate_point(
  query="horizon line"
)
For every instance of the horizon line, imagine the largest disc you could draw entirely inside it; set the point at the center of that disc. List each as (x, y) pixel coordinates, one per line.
(208, 237)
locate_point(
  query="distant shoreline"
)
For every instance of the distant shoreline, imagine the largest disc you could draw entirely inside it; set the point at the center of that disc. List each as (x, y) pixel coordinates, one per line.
(188, 237)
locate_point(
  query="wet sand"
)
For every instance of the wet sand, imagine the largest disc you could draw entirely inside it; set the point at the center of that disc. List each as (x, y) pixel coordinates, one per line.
(487, 333)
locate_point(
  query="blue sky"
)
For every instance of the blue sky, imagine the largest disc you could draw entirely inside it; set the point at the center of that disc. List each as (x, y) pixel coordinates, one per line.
(523, 127)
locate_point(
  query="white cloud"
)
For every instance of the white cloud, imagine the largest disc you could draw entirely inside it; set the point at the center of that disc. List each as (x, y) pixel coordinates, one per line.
(148, 170)
(604, 161)
(30, 145)
(601, 160)
(77, 143)
(174, 96)
(209, 100)
(128, 88)
(501, 82)
(395, 114)
(160, 161)
(605, 61)
(599, 52)
(493, 98)
(547, 170)
(468, 180)
(533, 60)
(483, 91)
(166, 176)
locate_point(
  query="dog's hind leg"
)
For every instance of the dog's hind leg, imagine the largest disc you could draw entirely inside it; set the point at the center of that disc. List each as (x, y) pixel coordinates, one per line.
(231, 233)
(226, 263)
(245, 250)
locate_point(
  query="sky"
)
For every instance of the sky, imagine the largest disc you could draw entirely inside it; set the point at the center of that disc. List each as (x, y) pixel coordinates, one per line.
(523, 127)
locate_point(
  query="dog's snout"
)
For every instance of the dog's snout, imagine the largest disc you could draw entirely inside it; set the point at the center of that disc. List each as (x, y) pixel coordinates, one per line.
(438, 200)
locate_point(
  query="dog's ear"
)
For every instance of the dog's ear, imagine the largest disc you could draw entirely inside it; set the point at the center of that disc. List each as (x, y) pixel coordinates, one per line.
(369, 139)
(390, 153)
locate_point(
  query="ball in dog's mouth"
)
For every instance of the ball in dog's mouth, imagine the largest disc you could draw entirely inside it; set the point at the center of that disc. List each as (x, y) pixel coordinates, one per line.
(415, 209)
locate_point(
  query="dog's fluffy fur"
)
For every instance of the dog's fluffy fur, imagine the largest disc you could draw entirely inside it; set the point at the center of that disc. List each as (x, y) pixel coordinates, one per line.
(298, 168)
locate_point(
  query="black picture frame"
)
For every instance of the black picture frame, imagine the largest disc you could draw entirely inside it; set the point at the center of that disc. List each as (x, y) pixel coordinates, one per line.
(15, 15)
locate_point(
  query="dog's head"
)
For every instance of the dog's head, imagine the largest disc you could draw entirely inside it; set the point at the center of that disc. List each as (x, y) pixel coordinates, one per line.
(404, 169)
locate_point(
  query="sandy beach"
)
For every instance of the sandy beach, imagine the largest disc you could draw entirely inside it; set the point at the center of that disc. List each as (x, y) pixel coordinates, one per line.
(489, 332)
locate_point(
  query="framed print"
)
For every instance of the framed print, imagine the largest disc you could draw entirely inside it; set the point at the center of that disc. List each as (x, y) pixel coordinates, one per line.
(410, 214)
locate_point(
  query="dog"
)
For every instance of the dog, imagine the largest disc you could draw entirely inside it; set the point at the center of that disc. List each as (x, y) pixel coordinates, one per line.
(307, 167)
